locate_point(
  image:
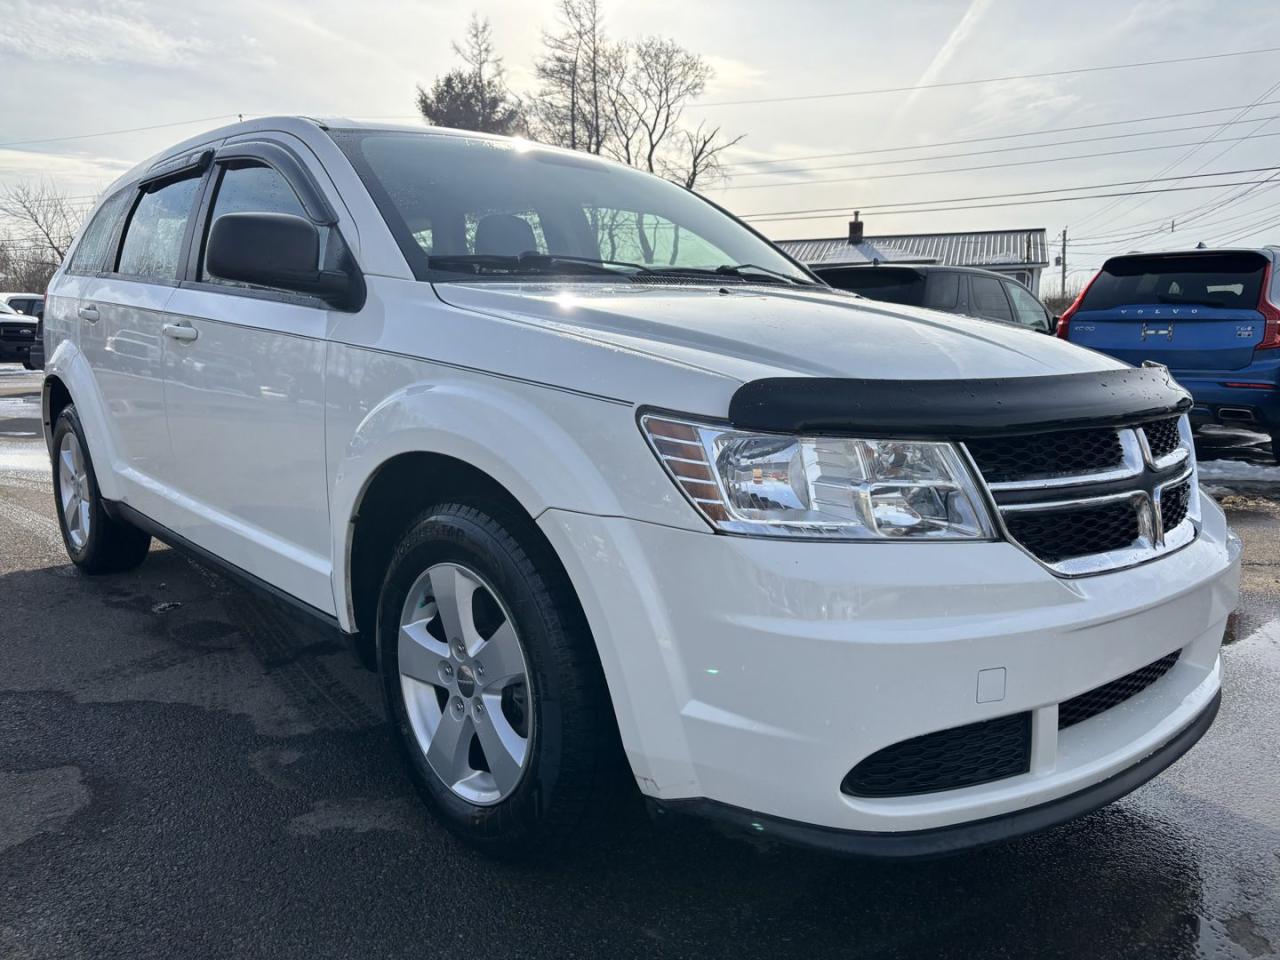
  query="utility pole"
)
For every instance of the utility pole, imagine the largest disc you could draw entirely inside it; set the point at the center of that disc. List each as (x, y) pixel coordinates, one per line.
(1063, 258)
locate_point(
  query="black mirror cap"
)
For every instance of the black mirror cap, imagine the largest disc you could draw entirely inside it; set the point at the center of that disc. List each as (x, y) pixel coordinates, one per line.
(282, 251)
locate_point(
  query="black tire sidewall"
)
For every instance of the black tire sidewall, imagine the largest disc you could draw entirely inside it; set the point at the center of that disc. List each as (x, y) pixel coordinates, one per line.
(457, 534)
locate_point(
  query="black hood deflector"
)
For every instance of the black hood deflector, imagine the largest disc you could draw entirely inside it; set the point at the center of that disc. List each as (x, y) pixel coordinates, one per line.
(955, 409)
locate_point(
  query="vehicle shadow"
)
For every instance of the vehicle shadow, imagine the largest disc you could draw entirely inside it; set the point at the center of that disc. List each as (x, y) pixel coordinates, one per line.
(231, 746)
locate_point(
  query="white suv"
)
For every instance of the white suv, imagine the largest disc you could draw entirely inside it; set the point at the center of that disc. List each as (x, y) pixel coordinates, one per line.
(584, 461)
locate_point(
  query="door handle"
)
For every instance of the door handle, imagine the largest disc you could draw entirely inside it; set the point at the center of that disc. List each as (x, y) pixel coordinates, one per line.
(89, 313)
(181, 331)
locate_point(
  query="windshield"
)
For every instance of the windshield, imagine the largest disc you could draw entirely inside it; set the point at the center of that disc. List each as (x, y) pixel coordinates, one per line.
(1227, 279)
(464, 208)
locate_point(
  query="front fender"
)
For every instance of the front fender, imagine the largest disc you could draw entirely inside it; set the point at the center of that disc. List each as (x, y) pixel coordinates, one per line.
(548, 448)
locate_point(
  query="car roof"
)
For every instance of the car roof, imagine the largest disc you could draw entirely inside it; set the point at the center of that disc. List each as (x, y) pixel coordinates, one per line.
(306, 128)
(918, 268)
(6, 296)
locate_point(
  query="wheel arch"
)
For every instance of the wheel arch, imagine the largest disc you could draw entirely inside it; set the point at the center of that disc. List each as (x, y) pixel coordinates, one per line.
(400, 489)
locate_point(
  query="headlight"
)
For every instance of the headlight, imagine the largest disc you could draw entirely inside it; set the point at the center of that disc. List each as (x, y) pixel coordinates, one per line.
(825, 488)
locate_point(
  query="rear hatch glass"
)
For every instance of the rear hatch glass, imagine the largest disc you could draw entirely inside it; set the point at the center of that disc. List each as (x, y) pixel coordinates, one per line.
(894, 286)
(1189, 311)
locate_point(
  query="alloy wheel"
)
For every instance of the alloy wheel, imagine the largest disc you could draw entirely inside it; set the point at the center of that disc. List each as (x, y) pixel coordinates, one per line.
(465, 683)
(73, 490)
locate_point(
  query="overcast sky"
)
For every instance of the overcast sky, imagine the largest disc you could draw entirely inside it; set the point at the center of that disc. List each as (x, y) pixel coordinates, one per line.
(74, 67)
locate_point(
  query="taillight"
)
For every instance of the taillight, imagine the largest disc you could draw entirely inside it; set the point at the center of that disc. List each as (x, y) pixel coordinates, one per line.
(1270, 314)
(1064, 321)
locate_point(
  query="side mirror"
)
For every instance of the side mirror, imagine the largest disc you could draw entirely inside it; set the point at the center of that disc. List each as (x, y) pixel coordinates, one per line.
(1053, 323)
(277, 250)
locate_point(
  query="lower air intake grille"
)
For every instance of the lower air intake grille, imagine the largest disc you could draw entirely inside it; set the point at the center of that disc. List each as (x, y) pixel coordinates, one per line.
(946, 760)
(1060, 534)
(1047, 454)
(1095, 701)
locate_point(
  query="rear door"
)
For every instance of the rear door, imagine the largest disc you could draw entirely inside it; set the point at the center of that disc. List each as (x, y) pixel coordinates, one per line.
(1189, 311)
(121, 319)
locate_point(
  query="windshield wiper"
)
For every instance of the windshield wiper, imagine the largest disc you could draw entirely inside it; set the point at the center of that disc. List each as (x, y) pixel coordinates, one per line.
(738, 270)
(528, 262)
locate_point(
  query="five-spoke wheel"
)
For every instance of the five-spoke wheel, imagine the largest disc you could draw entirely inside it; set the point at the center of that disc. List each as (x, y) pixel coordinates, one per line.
(465, 683)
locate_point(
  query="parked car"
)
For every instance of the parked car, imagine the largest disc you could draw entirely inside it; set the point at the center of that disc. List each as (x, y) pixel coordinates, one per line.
(828, 573)
(19, 335)
(966, 290)
(28, 304)
(1211, 316)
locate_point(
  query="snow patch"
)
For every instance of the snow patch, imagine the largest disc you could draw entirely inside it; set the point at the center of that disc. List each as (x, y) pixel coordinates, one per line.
(1238, 470)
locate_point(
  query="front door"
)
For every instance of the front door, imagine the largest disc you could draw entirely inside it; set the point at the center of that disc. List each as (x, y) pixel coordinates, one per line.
(245, 398)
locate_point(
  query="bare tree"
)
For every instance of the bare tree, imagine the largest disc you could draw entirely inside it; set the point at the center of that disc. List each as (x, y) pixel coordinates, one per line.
(699, 158)
(573, 74)
(37, 224)
(651, 83)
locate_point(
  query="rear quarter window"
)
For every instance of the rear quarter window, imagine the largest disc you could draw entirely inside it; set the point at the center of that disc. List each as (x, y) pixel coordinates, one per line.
(93, 254)
(1225, 280)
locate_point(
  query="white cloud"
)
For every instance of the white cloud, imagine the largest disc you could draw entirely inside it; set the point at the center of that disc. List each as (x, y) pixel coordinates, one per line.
(730, 75)
(123, 31)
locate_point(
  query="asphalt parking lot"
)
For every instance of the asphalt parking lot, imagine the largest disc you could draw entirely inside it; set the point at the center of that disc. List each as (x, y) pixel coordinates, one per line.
(188, 770)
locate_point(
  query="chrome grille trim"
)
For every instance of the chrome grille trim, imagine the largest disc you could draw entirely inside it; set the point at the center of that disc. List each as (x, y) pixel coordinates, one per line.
(1073, 492)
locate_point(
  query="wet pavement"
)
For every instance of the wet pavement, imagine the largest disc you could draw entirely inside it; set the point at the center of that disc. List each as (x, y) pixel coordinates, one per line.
(187, 770)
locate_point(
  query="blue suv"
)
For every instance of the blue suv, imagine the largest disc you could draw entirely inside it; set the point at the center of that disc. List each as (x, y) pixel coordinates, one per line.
(1211, 316)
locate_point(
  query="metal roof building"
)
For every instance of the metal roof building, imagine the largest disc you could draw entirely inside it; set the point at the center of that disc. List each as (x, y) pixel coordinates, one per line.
(1021, 254)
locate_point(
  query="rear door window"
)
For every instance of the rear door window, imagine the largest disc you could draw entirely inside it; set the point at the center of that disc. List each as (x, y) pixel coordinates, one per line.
(153, 239)
(987, 299)
(942, 292)
(1224, 280)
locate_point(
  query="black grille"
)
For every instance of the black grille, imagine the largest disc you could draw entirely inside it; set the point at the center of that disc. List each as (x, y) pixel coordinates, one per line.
(1095, 701)
(1173, 505)
(946, 760)
(1061, 534)
(17, 331)
(1162, 437)
(1047, 454)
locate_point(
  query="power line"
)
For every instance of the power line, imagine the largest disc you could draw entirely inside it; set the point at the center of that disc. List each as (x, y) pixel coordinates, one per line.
(1025, 146)
(999, 196)
(988, 166)
(1002, 136)
(112, 133)
(1022, 203)
(1194, 147)
(968, 83)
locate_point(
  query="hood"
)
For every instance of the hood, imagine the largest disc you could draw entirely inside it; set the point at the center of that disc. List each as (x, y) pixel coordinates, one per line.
(747, 332)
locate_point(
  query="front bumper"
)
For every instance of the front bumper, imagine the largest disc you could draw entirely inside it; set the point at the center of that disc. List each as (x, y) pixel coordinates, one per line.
(940, 841)
(15, 352)
(757, 673)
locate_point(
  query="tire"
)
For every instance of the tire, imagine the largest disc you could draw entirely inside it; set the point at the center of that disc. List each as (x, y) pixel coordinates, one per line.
(95, 542)
(568, 762)
(1275, 447)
